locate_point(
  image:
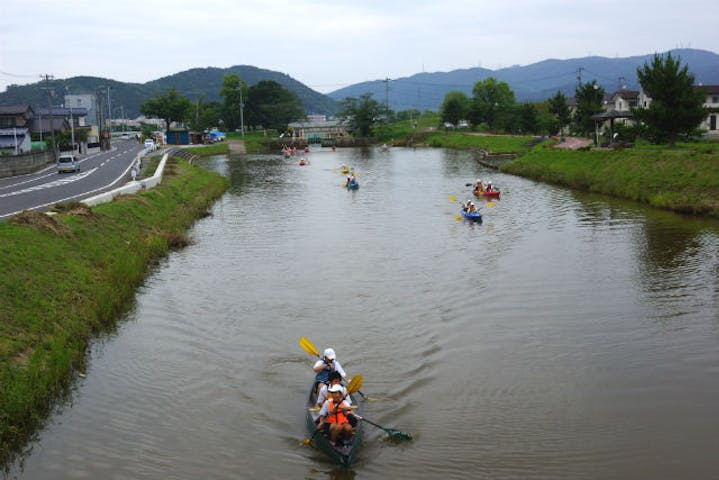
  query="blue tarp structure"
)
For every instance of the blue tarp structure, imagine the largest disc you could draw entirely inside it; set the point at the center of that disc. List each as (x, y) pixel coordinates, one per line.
(217, 135)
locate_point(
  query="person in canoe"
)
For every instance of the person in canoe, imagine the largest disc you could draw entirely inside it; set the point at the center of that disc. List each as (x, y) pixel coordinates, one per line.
(469, 207)
(335, 379)
(328, 364)
(334, 416)
(489, 186)
(478, 186)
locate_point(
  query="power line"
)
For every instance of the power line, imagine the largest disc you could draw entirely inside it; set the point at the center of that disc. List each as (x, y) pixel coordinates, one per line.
(17, 75)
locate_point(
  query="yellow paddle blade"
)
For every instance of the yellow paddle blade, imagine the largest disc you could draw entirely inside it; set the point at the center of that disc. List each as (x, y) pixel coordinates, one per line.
(453, 198)
(355, 384)
(458, 217)
(490, 204)
(308, 347)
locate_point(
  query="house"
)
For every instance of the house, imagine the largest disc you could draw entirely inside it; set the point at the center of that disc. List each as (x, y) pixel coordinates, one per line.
(711, 101)
(618, 108)
(318, 129)
(15, 116)
(15, 121)
(15, 141)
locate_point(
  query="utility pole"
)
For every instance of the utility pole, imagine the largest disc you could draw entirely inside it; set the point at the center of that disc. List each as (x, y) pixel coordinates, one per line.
(100, 118)
(72, 125)
(579, 76)
(72, 130)
(49, 107)
(242, 118)
(386, 98)
(109, 111)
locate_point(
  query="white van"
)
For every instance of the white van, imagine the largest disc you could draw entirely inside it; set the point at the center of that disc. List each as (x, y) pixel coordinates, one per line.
(68, 162)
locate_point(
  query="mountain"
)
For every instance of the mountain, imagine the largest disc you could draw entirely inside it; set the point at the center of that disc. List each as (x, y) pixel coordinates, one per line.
(424, 91)
(194, 84)
(530, 83)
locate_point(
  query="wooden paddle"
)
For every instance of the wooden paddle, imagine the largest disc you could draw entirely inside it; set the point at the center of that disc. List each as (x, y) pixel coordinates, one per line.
(352, 387)
(309, 347)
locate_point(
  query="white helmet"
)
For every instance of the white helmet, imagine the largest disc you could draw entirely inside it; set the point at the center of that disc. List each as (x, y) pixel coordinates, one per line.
(330, 353)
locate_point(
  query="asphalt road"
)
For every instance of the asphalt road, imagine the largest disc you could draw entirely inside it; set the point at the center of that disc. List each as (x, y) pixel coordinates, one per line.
(99, 172)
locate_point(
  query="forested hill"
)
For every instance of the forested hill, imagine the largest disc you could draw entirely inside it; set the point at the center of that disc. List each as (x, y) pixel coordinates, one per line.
(197, 83)
(530, 83)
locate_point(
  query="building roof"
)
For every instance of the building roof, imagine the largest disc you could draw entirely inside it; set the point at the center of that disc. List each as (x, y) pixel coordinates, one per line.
(626, 94)
(14, 109)
(708, 89)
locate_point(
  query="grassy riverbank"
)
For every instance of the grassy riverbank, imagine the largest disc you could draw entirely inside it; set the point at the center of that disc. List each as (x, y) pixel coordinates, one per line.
(67, 277)
(683, 179)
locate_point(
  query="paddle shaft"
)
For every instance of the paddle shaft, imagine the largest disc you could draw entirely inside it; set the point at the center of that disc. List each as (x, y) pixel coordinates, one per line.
(389, 431)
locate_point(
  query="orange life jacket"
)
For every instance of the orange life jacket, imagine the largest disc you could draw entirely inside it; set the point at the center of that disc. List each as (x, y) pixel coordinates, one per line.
(336, 416)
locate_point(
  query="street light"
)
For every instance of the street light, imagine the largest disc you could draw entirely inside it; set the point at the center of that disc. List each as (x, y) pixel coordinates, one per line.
(596, 123)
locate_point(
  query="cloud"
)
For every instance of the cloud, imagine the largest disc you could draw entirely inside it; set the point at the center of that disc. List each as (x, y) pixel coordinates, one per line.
(331, 43)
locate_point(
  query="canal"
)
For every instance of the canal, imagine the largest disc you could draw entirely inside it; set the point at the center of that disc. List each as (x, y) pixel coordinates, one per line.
(566, 336)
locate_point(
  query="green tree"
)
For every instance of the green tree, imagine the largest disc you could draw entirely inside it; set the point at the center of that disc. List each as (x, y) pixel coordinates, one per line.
(206, 115)
(527, 118)
(492, 103)
(558, 106)
(590, 101)
(677, 108)
(455, 107)
(362, 113)
(232, 91)
(271, 105)
(171, 107)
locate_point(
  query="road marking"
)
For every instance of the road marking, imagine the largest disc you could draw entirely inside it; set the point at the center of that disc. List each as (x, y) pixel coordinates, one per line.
(56, 183)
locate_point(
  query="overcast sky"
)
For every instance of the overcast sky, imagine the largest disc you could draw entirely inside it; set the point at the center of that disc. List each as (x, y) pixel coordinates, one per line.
(328, 45)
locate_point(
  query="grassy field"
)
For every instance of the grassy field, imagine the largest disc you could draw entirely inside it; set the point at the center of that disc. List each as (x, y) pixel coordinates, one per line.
(66, 277)
(683, 179)
(491, 143)
(254, 141)
(221, 148)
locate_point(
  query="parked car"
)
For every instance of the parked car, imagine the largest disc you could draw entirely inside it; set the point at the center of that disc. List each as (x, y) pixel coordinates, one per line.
(68, 162)
(149, 143)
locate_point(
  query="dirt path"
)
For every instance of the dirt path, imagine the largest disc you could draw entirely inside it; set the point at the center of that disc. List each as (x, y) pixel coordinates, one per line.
(572, 143)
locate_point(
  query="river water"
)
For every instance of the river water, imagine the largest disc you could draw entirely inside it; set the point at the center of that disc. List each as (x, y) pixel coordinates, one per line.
(567, 336)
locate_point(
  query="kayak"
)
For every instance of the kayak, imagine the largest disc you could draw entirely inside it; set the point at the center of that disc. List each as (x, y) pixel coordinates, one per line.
(492, 194)
(352, 186)
(342, 454)
(474, 216)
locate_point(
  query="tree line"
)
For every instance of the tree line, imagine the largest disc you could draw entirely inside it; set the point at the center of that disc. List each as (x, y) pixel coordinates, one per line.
(267, 104)
(675, 111)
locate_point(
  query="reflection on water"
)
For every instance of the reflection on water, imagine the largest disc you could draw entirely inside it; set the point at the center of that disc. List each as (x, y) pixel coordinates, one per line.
(567, 336)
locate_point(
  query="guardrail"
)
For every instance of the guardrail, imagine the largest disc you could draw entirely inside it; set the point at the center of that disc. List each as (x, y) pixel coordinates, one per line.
(130, 187)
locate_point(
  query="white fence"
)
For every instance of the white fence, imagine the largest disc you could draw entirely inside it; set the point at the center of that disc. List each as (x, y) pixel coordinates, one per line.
(130, 187)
